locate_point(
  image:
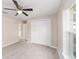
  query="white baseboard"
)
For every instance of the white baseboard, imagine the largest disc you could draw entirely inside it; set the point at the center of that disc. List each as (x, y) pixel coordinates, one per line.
(9, 44)
(60, 54)
(53, 47)
(64, 56)
(42, 44)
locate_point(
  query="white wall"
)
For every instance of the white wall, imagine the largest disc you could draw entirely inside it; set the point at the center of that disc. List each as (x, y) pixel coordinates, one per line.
(43, 31)
(9, 31)
(64, 5)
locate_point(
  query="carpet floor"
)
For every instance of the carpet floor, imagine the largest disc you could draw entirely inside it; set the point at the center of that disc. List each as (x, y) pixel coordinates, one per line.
(29, 51)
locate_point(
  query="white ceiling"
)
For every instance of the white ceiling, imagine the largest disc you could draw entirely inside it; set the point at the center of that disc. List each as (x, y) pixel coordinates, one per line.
(40, 8)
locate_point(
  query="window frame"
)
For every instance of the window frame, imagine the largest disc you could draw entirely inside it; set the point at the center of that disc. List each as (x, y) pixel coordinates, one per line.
(66, 21)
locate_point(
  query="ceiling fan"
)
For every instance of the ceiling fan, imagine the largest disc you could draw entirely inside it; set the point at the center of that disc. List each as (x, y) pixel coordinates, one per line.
(19, 9)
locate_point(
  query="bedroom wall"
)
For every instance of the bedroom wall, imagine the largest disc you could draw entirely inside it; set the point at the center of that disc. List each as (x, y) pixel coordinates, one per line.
(9, 31)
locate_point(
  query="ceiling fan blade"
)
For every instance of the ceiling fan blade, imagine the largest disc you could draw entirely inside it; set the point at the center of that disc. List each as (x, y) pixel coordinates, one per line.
(16, 14)
(9, 9)
(4, 12)
(16, 3)
(25, 13)
(30, 9)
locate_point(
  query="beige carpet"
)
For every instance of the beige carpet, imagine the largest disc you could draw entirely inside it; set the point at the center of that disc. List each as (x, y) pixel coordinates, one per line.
(29, 51)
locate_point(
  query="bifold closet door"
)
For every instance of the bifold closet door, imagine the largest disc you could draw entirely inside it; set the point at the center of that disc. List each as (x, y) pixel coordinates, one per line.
(40, 32)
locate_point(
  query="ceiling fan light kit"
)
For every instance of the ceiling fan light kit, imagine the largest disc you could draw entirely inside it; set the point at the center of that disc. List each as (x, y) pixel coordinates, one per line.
(19, 12)
(19, 9)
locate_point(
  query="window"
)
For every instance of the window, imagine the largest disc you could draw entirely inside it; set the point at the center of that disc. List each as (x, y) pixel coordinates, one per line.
(72, 33)
(69, 32)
